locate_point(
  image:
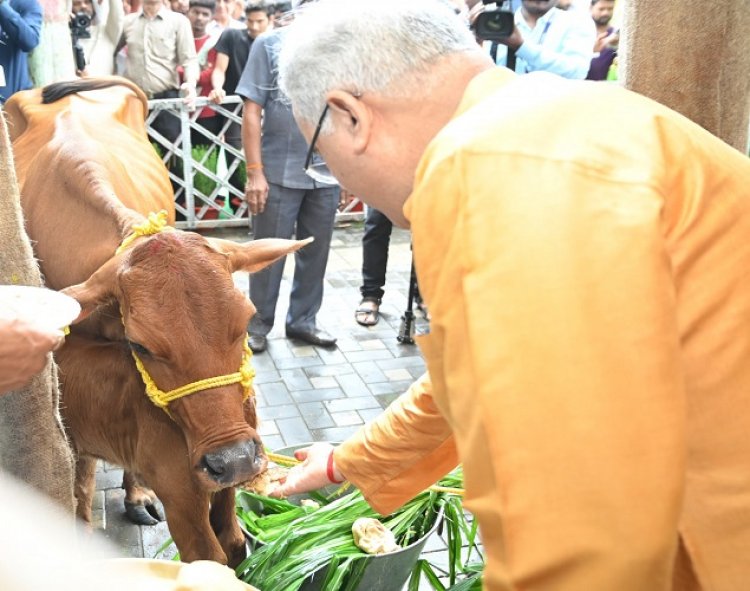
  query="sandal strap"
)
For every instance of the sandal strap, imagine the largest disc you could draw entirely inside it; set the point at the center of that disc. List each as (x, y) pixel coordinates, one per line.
(370, 299)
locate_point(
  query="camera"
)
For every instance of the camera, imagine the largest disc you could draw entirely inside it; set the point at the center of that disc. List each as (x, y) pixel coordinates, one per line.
(496, 22)
(80, 26)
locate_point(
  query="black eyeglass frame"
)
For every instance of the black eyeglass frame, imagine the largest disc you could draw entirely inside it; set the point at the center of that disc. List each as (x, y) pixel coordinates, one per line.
(314, 140)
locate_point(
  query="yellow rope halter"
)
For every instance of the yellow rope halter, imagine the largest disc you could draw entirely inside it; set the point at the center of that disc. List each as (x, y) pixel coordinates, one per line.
(161, 399)
(155, 223)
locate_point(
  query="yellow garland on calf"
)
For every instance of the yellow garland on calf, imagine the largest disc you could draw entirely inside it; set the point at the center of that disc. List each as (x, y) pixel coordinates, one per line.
(155, 223)
(162, 399)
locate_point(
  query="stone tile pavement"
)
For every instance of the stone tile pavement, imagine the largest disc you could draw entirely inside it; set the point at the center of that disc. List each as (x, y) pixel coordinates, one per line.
(307, 393)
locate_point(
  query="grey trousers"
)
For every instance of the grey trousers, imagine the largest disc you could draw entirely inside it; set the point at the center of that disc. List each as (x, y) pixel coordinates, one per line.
(302, 213)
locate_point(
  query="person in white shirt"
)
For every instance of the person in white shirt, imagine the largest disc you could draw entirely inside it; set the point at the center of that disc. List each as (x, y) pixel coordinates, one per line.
(107, 18)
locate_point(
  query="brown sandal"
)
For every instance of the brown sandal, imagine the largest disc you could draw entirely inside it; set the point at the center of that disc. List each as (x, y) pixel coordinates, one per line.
(368, 312)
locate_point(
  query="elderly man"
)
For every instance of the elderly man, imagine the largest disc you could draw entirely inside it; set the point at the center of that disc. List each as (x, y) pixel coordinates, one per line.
(589, 360)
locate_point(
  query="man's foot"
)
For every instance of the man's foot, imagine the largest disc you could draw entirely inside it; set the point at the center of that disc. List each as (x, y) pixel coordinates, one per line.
(368, 312)
(257, 343)
(317, 337)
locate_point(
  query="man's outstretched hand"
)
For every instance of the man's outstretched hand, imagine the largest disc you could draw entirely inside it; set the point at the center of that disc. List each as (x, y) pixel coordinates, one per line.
(311, 474)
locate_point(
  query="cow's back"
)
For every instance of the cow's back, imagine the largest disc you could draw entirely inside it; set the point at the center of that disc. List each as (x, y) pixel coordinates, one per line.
(86, 170)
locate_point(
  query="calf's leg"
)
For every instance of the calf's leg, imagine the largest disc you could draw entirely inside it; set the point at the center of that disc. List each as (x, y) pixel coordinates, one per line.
(85, 486)
(187, 517)
(140, 502)
(224, 523)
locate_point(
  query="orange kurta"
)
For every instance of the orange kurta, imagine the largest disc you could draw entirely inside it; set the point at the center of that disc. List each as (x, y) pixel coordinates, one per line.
(585, 257)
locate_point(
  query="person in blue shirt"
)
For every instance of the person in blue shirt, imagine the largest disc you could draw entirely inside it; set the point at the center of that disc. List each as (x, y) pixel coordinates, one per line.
(547, 39)
(20, 26)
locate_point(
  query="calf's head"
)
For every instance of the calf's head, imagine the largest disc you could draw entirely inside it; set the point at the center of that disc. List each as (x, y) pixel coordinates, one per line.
(185, 322)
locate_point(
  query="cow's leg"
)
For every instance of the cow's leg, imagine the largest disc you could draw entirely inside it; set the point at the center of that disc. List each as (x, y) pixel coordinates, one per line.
(140, 502)
(187, 516)
(85, 486)
(225, 526)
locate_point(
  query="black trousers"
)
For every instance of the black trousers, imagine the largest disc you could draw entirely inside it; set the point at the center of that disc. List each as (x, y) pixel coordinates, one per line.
(167, 123)
(375, 242)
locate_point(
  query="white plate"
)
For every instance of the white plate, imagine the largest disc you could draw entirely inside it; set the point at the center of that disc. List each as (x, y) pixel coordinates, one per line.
(148, 574)
(44, 307)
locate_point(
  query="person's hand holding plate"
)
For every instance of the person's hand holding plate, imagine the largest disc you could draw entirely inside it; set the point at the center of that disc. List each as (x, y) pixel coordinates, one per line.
(32, 320)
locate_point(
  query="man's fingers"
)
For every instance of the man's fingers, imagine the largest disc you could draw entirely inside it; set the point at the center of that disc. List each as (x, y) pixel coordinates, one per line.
(277, 491)
(301, 454)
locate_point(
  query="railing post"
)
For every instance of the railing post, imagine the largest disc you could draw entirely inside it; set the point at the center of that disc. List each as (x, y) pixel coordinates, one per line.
(187, 166)
(202, 210)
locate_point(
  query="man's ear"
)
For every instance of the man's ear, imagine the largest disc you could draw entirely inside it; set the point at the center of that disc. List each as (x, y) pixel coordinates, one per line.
(353, 115)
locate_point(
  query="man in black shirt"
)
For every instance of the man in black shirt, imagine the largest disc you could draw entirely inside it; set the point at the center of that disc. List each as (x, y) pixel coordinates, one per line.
(232, 50)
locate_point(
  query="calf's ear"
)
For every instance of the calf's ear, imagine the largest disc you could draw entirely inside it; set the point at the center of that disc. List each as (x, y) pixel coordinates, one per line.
(96, 290)
(257, 254)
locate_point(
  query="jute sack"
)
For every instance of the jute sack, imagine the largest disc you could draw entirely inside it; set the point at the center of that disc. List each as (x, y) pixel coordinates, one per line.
(33, 445)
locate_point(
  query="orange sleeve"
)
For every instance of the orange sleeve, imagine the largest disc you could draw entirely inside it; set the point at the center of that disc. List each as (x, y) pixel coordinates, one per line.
(404, 451)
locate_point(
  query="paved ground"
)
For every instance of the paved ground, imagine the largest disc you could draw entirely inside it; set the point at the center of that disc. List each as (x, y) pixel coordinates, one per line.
(307, 393)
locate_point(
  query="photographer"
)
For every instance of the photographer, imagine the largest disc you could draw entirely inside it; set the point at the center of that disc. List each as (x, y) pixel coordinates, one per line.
(20, 26)
(96, 27)
(547, 39)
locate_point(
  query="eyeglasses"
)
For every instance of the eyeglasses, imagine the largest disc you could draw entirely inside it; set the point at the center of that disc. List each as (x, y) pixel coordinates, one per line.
(318, 171)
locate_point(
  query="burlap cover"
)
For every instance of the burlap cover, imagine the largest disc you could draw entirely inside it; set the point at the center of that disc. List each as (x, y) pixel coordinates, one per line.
(33, 446)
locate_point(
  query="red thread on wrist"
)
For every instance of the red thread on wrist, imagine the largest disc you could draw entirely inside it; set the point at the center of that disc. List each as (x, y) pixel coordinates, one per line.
(329, 470)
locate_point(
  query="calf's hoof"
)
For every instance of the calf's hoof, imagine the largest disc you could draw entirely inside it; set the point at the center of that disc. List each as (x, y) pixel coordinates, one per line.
(143, 514)
(237, 555)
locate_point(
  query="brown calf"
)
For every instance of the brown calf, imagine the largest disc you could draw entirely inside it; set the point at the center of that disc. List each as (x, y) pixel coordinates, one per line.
(88, 175)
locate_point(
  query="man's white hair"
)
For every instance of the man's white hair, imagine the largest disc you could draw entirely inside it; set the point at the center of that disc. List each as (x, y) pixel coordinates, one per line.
(365, 46)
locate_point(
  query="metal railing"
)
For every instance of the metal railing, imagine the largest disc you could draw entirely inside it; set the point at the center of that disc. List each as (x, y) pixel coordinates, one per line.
(219, 203)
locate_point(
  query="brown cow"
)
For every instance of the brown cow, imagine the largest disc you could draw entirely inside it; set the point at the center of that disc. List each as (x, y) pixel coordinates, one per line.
(88, 175)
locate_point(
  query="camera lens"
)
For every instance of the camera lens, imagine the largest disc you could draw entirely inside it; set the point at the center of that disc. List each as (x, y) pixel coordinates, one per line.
(495, 23)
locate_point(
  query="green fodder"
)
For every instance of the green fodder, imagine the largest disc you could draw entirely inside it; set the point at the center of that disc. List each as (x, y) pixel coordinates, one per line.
(299, 541)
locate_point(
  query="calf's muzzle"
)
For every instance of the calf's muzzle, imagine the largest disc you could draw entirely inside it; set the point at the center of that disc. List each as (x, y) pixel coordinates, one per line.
(233, 464)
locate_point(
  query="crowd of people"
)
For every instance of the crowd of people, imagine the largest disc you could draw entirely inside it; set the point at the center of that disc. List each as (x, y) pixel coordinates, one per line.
(112, 41)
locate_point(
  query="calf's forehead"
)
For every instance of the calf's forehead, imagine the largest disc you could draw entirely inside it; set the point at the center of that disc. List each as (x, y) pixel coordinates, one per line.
(185, 287)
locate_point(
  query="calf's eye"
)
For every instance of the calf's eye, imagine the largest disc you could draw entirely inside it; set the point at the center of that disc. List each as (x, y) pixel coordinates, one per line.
(138, 349)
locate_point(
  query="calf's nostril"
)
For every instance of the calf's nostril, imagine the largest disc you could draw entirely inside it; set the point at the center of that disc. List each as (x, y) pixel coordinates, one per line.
(215, 464)
(234, 463)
